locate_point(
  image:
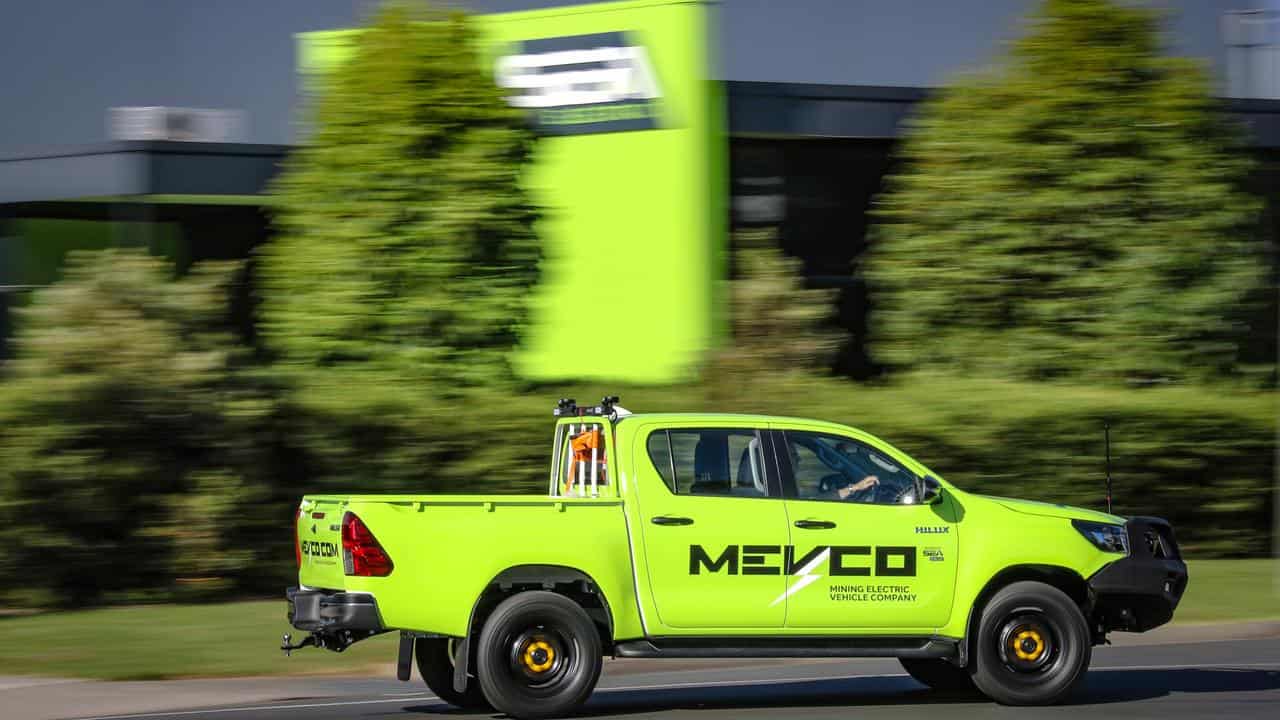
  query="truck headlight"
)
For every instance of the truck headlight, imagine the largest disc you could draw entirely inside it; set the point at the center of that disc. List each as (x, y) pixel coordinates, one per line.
(1109, 538)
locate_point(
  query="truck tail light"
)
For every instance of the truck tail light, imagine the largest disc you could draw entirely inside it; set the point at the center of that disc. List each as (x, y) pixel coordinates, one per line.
(361, 554)
(297, 537)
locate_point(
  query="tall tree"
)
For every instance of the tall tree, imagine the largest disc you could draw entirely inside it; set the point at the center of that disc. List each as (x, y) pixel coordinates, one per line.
(776, 324)
(399, 280)
(122, 406)
(1076, 211)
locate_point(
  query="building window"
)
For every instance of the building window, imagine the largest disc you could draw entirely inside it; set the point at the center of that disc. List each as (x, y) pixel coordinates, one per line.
(1253, 53)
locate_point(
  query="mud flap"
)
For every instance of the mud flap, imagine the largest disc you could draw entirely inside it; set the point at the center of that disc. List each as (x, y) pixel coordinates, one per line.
(404, 663)
(461, 661)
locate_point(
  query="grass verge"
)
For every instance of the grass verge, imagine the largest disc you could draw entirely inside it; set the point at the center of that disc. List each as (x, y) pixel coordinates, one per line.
(150, 642)
(1226, 590)
(240, 639)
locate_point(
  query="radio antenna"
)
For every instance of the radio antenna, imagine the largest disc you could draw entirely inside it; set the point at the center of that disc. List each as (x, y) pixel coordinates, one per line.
(1106, 437)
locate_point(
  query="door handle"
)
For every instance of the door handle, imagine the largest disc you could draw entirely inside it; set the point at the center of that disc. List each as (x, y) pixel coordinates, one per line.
(815, 524)
(671, 520)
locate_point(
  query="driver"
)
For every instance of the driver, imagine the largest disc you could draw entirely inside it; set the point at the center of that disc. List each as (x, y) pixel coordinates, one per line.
(845, 492)
(866, 483)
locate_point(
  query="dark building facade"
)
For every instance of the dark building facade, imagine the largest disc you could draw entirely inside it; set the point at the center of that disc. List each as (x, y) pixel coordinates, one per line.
(816, 93)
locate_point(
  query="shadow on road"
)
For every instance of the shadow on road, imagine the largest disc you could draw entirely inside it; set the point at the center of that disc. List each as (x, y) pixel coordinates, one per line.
(1101, 687)
(1111, 686)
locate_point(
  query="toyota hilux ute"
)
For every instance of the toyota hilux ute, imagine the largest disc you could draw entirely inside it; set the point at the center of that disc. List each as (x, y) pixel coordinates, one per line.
(715, 535)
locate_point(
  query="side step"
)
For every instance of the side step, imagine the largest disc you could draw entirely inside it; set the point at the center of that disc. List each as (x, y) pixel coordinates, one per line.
(785, 647)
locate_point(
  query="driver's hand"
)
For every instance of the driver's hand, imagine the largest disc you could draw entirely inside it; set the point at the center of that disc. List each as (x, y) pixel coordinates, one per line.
(866, 482)
(863, 484)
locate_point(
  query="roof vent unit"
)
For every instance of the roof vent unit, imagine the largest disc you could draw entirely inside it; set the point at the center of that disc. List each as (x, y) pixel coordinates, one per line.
(175, 124)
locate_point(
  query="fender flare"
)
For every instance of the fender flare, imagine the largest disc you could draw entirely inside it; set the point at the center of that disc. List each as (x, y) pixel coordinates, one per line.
(1064, 578)
(547, 577)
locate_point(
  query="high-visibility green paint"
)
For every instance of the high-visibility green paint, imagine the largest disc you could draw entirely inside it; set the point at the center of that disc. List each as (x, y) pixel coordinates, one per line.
(447, 549)
(625, 211)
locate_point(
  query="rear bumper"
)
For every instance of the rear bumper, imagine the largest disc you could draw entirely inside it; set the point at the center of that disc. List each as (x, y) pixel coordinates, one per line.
(1141, 591)
(323, 611)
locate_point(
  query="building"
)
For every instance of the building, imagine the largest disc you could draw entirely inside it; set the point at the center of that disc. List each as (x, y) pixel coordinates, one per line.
(161, 124)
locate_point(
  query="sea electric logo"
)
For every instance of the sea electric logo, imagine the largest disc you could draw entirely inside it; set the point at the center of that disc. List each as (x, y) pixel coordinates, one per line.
(602, 82)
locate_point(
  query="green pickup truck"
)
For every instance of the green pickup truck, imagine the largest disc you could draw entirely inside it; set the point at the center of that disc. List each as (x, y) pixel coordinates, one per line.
(715, 535)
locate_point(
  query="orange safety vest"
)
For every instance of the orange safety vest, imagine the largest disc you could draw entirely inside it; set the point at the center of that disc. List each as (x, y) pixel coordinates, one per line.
(582, 444)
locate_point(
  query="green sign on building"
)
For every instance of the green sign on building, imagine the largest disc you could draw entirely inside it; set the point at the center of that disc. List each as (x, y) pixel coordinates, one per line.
(630, 173)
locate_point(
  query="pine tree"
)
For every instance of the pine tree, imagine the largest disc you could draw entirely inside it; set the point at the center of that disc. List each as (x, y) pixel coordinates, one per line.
(406, 253)
(123, 402)
(406, 239)
(1077, 211)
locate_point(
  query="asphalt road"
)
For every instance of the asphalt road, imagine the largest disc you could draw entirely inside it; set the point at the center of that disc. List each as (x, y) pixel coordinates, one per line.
(1236, 679)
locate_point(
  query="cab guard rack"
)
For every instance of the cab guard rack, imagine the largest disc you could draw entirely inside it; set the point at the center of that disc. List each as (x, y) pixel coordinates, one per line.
(608, 407)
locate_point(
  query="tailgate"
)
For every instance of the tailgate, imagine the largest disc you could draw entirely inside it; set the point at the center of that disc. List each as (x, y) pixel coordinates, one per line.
(320, 542)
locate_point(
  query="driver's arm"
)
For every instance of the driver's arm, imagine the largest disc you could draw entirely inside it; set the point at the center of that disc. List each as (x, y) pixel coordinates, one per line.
(863, 484)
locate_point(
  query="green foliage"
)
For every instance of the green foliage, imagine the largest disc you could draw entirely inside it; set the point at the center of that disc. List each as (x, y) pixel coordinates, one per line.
(1203, 457)
(121, 402)
(398, 283)
(1076, 215)
(406, 240)
(776, 325)
(1077, 211)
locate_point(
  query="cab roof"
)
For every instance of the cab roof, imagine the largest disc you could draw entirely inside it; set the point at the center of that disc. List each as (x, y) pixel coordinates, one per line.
(743, 418)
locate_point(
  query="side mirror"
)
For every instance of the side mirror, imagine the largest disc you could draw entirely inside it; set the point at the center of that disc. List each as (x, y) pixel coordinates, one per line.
(929, 490)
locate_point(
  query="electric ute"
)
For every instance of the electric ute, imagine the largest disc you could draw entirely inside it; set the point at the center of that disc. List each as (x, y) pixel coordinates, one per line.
(715, 535)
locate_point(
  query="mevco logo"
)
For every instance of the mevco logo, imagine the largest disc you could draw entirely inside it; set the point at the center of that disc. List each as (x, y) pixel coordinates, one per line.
(840, 561)
(583, 83)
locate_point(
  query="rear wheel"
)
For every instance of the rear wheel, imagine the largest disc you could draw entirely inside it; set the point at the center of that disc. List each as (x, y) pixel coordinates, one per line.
(1033, 645)
(539, 656)
(435, 665)
(939, 674)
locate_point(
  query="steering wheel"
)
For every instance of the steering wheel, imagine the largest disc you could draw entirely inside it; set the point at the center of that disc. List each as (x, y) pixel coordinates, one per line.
(895, 497)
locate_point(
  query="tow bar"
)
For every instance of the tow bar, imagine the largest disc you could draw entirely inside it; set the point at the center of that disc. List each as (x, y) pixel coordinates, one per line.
(335, 641)
(308, 641)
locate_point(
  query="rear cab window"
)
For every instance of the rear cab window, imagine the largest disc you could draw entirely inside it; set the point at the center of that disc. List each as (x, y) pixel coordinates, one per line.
(713, 461)
(581, 466)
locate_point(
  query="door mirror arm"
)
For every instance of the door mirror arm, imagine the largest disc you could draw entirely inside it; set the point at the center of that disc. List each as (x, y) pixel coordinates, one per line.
(928, 490)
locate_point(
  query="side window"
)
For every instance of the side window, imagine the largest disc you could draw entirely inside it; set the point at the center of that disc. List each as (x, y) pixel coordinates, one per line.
(710, 461)
(659, 445)
(830, 467)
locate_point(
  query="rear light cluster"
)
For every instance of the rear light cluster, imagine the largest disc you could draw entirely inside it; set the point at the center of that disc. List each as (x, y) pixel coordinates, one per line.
(297, 536)
(362, 556)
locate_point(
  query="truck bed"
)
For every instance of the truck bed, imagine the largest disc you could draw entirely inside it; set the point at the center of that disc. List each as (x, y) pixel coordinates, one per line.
(442, 547)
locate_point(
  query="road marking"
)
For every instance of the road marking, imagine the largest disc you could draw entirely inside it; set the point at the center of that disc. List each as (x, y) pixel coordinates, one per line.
(663, 686)
(256, 708)
(1220, 666)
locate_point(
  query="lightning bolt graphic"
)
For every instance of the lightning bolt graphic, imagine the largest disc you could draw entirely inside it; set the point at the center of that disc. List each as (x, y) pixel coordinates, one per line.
(805, 577)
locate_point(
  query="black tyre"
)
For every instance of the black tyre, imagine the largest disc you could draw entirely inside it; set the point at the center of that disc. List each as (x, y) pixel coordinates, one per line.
(939, 674)
(1033, 646)
(435, 665)
(539, 656)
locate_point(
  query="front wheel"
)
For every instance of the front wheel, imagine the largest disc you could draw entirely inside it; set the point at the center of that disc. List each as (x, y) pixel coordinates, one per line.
(435, 665)
(539, 656)
(1033, 645)
(940, 675)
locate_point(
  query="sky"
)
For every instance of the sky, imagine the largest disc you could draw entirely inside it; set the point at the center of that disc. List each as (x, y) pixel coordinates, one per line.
(65, 62)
